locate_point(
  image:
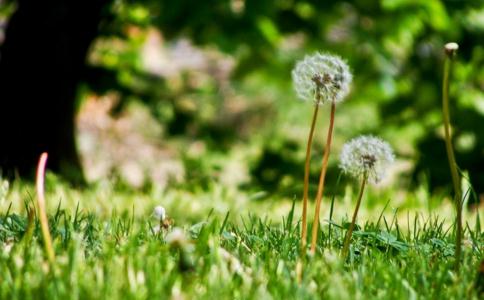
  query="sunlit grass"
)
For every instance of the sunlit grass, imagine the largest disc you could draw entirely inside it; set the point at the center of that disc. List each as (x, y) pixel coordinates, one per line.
(241, 245)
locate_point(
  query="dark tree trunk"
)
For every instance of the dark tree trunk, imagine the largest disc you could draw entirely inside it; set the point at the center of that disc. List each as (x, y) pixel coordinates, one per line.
(41, 64)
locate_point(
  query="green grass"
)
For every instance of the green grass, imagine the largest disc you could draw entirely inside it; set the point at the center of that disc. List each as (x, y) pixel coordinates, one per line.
(238, 248)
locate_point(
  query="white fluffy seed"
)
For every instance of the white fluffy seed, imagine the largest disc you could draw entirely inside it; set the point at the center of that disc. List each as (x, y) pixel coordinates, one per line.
(176, 237)
(366, 155)
(322, 77)
(159, 213)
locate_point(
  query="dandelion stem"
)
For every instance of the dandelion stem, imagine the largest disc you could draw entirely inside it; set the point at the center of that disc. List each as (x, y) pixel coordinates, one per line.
(42, 212)
(347, 240)
(306, 178)
(304, 228)
(450, 155)
(322, 177)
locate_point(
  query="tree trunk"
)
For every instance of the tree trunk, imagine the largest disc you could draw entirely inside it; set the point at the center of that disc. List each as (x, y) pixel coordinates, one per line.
(41, 64)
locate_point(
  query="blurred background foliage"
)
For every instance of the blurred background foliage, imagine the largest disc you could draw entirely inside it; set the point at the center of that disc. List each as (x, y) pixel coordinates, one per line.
(196, 92)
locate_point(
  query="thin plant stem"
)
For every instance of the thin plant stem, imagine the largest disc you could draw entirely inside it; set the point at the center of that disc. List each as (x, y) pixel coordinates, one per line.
(322, 177)
(306, 177)
(347, 240)
(304, 229)
(331, 209)
(451, 157)
(299, 269)
(42, 211)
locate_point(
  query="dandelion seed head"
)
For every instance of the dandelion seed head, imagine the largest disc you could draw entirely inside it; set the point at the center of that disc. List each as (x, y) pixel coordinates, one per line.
(451, 48)
(176, 237)
(322, 77)
(159, 213)
(366, 155)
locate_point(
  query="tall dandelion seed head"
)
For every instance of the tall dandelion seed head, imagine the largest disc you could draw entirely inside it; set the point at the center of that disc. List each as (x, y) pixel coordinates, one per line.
(322, 78)
(366, 155)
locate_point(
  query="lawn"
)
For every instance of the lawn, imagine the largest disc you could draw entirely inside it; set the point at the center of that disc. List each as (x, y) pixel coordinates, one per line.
(230, 244)
(242, 149)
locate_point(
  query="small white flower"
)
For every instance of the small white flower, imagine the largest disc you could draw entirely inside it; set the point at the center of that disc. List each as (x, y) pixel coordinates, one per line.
(451, 49)
(156, 229)
(451, 46)
(366, 155)
(325, 77)
(159, 213)
(176, 237)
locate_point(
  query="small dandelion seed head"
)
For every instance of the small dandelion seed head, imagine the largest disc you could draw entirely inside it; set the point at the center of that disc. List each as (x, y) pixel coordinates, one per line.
(176, 237)
(159, 213)
(451, 48)
(366, 155)
(322, 78)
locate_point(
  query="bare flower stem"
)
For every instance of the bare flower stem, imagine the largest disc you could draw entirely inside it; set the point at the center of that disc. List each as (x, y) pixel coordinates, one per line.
(349, 233)
(451, 157)
(304, 229)
(306, 178)
(322, 177)
(42, 211)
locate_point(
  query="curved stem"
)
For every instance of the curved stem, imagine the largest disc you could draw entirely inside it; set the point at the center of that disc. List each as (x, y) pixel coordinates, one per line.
(306, 179)
(452, 162)
(44, 224)
(346, 244)
(322, 177)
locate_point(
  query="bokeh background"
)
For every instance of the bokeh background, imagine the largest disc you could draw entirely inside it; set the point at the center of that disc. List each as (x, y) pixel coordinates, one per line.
(195, 93)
